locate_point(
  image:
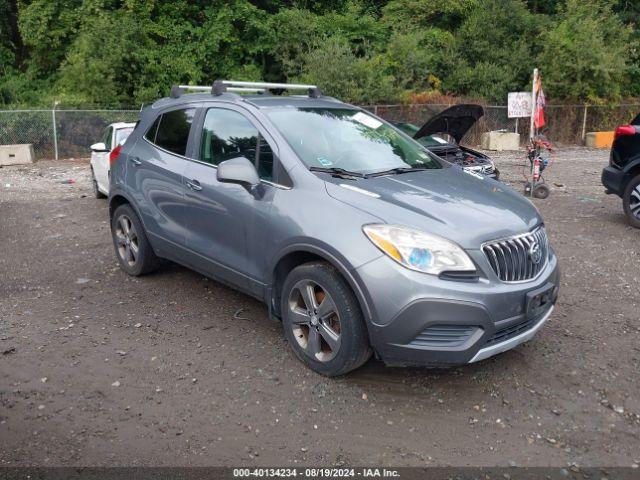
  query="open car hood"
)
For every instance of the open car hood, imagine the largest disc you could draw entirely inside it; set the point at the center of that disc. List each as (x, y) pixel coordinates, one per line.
(455, 121)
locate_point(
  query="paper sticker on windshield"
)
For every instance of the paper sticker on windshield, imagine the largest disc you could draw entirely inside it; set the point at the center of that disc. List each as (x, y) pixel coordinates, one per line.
(365, 119)
(438, 139)
(325, 162)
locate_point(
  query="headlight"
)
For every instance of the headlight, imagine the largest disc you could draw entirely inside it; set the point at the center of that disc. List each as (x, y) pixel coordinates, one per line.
(419, 251)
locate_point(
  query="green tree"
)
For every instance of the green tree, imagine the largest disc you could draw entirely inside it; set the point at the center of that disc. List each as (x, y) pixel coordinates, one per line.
(416, 59)
(109, 52)
(409, 14)
(495, 50)
(48, 28)
(333, 65)
(585, 55)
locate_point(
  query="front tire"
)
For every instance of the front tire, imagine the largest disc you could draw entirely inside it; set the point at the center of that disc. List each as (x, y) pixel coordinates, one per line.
(631, 201)
(323, 321)
(133, 250)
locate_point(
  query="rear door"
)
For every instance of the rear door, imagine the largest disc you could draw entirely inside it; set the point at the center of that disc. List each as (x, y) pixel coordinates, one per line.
(222, 217)
(154, 176)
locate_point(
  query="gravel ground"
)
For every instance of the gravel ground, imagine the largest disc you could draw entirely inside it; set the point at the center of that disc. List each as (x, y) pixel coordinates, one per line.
(98, 368)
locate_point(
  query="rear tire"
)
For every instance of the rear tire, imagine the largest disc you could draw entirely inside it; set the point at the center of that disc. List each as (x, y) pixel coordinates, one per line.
(133, 250)
(322, 320)
(631, 201)
(96, 191)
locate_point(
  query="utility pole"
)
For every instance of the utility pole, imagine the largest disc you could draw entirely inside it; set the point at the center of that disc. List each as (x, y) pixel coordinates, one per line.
(55, 133)
(533, 103)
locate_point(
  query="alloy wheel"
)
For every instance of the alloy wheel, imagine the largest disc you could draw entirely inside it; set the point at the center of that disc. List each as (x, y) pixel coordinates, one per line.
(315, 320)
(127, 240)
(634, 202)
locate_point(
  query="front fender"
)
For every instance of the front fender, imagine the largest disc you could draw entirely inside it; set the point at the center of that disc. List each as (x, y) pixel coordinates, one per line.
(332, 256)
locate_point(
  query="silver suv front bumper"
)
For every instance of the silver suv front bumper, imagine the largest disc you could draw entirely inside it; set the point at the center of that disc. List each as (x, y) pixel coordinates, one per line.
(512, 342)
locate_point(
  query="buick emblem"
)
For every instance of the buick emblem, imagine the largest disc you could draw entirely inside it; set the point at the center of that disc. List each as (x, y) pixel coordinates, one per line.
(535, 252)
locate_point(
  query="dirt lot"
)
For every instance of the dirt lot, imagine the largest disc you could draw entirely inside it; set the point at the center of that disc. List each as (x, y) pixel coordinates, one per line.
(173, 369)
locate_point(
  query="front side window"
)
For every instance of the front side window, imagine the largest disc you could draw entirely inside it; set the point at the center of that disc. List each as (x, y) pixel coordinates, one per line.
(170, 130)
(348, 139)
(228, 134)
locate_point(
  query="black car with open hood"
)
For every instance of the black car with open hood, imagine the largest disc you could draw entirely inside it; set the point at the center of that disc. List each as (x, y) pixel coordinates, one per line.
(453, 122)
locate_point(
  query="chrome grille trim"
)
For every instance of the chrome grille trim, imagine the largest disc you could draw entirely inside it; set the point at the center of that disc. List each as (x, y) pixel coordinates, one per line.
(510, 259)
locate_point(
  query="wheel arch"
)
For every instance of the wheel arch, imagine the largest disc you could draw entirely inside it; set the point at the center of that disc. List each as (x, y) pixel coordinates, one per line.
(299, 254)
(631, 170)
(115, 201)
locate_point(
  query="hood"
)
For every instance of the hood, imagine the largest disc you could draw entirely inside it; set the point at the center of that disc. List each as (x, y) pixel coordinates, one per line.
(455, 121)
(464, 207)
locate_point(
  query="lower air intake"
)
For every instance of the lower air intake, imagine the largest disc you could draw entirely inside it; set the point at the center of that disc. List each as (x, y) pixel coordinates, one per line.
(444, 336)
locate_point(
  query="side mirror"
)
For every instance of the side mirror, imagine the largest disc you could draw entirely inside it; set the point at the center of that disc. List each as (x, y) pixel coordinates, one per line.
(99, 147)
(238, 170)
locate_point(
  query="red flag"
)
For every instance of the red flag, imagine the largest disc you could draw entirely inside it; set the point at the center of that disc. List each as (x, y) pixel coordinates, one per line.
(538, 117)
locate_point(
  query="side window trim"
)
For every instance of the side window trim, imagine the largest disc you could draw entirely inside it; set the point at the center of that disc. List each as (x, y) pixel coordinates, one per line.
(155, 131)
(193, 146)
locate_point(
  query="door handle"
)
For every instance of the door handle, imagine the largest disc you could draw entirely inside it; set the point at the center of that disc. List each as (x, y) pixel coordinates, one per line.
(194, 185)
(135, 160)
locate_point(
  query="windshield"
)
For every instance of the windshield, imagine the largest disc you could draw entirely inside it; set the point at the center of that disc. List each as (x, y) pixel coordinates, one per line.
(348, 139)
(122, 134)
(428, 141)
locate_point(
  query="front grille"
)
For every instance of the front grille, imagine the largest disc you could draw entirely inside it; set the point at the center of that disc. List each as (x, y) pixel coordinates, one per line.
(487, 169)
(510, 332)
(513, 259)
(444, 336)
(484, 169)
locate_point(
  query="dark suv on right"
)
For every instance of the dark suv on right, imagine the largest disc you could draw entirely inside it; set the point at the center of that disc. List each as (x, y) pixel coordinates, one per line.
(622, 176)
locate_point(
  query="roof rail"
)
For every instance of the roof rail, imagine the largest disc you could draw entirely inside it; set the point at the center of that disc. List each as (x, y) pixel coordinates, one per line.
(178, 90)
(220, 86)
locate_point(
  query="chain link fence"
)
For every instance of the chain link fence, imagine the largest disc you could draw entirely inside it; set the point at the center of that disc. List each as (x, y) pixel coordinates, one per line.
(76, 130)
(565, 124)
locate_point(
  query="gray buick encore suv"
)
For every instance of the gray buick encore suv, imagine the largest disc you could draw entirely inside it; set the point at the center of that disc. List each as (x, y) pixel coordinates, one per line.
(355, 236)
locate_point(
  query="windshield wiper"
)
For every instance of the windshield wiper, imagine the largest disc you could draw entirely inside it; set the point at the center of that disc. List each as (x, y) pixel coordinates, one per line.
(396, 171)
(336, 171)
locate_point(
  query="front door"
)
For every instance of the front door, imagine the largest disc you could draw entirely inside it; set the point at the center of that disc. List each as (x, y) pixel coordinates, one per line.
(222, 217)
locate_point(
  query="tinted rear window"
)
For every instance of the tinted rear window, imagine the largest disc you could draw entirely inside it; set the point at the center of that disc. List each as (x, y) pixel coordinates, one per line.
(171, 130)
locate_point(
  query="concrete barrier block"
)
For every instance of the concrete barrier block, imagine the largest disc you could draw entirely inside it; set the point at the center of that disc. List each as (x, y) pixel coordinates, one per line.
(599, 139)
(496, 140)
(16, 154)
